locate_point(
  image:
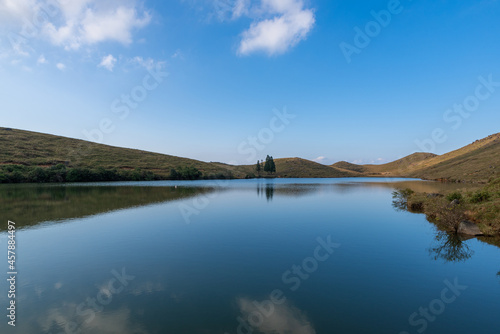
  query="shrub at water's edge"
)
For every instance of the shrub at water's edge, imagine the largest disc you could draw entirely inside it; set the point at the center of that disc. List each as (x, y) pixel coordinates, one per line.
(62, 173)
(447, 210)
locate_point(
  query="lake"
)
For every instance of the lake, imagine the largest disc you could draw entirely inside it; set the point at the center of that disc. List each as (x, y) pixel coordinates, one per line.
(295, 256)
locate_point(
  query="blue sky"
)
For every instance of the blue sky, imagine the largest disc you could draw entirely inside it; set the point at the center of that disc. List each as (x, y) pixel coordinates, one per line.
(361, 81)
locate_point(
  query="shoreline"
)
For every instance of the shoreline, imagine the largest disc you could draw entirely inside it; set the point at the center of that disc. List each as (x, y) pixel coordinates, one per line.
(447, 209)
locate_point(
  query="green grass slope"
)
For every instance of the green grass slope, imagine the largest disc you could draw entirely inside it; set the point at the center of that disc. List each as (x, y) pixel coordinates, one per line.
(399, 167)
(28, 148)
(19, 147)
(297, 167)
(477, 162)
(349, 167)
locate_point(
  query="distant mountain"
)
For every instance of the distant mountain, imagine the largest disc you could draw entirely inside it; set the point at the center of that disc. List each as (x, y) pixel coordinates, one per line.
(476, 162)
(297, 167)
(399, 167)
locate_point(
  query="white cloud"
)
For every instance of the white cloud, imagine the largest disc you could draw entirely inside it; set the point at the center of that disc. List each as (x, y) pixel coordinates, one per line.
(87, 22)
(277, 26)
(75, 23)
(41, 60)
(320, 159)
(370, 162)
(241, 7)
(289, 24)
(16, 10)
(285, 319)
(108, 62)
(61, 66)
(148, 63)
(112, 321)
(178, 54)
(283, 6)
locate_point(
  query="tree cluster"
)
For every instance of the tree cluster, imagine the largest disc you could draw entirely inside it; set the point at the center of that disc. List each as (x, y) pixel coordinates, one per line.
(61, 173)
(269, 166)
(185, 173)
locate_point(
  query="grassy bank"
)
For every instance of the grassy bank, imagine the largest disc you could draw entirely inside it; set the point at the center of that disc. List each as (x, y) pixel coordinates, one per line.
(480, 205)
(24, 151)
(61, 173)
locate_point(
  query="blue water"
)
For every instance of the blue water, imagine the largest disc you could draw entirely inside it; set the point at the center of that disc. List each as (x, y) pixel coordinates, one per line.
(248, 256)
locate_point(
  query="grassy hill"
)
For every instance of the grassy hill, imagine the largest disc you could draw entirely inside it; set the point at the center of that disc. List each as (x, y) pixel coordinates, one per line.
(350, 167)
(477, 162)
(28, 148)
(294, 168)
(297, 167)
(399, 167)
(23, 151)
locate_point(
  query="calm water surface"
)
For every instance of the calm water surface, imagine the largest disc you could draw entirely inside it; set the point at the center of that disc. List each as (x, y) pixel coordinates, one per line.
(245, 256)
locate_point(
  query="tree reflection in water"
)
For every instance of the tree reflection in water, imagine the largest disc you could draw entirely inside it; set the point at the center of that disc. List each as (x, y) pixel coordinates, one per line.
(268, 190)
(451, 248)
(400, 199)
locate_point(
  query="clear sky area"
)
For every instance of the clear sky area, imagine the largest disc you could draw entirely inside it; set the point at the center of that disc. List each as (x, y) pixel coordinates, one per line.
(235, 80)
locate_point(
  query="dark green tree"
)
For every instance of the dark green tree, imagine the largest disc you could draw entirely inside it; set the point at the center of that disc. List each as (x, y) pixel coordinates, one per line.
(269, 166)
(273, 166)
(174, 175)
(257, 167)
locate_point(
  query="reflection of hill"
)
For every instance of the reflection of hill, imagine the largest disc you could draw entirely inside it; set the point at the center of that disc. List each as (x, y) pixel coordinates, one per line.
(298, 190)
(30, 205)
